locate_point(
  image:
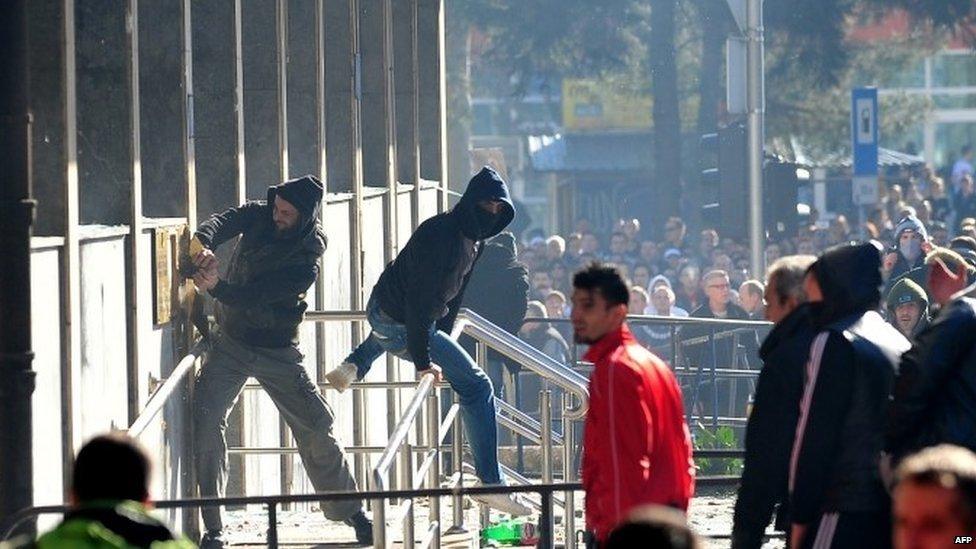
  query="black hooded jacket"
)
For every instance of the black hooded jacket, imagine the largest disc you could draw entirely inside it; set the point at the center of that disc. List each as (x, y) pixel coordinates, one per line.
(498, 289)
(839, 437)
(262, 300)
(425, 283)
(935, 389)
(771, 427)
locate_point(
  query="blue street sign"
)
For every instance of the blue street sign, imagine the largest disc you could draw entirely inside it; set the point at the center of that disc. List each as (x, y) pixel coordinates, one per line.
(864, 130)
(864, 144)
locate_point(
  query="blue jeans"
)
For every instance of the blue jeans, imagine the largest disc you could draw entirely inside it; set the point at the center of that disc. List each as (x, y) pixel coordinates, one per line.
(470, 382)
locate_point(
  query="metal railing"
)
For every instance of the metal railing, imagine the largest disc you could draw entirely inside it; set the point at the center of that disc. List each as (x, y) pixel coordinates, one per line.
(272, 502)
(694, 357)
(428, 451)
(162, 394)
(489, 335)
(486, 335)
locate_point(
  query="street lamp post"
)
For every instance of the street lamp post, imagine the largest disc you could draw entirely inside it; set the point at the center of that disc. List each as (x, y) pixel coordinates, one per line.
(755, 106)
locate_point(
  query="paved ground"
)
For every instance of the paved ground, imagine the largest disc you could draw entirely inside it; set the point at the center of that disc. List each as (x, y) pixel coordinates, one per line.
(710, 515)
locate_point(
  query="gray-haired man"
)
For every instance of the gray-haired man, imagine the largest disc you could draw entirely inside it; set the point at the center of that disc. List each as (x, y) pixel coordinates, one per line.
(772, 423)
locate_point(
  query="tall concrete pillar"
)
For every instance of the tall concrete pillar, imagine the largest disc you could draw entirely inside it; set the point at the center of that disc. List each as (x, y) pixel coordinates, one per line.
(218, 124)
(406, 84)
(46, 20)
(218, 130)
(341, 90)
(263, 140)
(432, 94)
(109, 153)
(104, 112)
(303, 106)
(164, 161)
(405, 74)
(16, 216)
(378, 141)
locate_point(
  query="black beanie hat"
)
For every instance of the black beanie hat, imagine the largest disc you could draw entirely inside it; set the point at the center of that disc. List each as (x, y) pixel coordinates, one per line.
(305, 193)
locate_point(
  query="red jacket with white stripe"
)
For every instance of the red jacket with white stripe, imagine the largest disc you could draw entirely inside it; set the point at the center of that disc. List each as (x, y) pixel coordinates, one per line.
(637, 448)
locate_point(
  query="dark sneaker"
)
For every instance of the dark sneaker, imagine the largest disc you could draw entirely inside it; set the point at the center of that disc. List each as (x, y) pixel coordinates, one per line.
(213, 539)
(363, 527)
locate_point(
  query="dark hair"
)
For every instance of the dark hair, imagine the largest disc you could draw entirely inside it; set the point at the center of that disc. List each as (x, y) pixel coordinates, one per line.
(606, 280)
(654, 526)
(948, 466)
(111, 467)
(964, 242)
(966, 149)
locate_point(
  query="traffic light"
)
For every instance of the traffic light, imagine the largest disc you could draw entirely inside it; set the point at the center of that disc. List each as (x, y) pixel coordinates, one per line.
(724, 181)
(780, 184)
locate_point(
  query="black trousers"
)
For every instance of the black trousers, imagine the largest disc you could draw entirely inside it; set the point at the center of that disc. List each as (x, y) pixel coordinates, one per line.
(844, 530)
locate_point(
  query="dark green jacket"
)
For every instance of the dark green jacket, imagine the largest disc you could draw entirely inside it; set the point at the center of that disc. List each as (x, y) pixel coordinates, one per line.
(110, 525)
(261, 301)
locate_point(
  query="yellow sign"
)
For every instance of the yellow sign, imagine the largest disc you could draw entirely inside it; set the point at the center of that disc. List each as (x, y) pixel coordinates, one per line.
(596, 105)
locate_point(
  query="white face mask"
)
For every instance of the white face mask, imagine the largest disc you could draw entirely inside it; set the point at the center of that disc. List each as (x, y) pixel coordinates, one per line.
(910, 249)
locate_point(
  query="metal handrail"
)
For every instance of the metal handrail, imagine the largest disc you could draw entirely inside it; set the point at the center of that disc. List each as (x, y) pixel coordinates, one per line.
(479, 328)
(398, 437)
(382, 469)
(166, 390)
(656, 319)
(7, 528)
(499, 340)
(335, 316)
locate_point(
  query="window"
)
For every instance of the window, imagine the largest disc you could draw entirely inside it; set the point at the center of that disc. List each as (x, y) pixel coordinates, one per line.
(967, 101)
(954, 70)
(949, 138)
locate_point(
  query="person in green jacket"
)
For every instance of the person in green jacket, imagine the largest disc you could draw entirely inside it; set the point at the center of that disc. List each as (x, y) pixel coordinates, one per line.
(110, 501)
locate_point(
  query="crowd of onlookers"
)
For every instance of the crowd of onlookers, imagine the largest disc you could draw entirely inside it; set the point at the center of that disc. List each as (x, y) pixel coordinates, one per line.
(927, 225)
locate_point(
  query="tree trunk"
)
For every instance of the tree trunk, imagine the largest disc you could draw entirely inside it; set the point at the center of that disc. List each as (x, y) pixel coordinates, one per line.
(710, 74)
(459, 115)
(666, 183)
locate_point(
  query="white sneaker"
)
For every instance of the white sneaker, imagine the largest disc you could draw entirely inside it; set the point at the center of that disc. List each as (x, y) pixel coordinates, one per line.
(343, 376)
(506, 503)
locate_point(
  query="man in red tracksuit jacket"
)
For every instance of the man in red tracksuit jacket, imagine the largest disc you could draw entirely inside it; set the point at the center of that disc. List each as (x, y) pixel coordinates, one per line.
(637, 448)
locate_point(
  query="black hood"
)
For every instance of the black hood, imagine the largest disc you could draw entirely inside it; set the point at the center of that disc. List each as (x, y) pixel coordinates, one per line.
(500, 253)
(305, 193)
(850, 280)
(475, 223)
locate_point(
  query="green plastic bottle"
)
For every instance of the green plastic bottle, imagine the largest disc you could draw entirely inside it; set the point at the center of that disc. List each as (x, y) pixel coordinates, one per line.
(510, 532)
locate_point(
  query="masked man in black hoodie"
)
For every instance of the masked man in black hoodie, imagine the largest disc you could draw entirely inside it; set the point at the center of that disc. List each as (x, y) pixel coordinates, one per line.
(259, 307)
(412, 311)
(837, 497)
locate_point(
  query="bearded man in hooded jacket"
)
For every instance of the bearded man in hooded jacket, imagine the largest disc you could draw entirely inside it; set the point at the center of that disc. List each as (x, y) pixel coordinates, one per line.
(259, 306)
